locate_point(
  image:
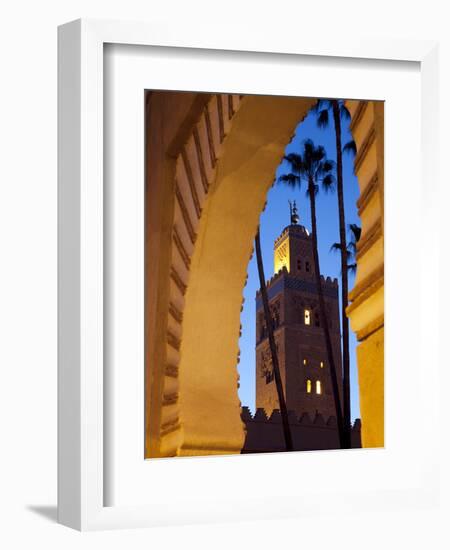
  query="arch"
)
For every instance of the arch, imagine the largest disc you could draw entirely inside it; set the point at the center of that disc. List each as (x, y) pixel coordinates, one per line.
(211, 160)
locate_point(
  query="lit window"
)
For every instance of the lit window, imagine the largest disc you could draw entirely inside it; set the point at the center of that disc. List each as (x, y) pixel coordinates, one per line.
(308, 386)
(305, 362)
(318, 387)
(307, 317)
(321, 364)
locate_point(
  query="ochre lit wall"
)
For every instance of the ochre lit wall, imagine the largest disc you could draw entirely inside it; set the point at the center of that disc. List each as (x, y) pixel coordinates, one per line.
(366, 310)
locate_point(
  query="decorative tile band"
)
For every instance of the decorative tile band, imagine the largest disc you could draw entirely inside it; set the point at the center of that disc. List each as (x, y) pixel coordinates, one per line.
(291, 283)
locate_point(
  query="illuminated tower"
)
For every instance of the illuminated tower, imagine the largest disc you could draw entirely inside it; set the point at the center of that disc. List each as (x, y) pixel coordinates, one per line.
(299, 337)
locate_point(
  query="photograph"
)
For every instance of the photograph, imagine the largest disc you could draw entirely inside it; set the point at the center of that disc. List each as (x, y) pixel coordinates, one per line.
(264, 274)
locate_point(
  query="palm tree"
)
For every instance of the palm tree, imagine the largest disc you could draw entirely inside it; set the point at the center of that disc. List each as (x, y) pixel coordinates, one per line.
(339, 111)
(355, 231)
(272, 345)
(313, 168)
(355, 234)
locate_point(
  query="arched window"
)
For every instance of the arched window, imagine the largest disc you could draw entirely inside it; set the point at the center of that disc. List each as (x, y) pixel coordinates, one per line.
(308, 386)
(305, 362)
(306, 266)
(307, 317)
(321, 365)
(318, 387)
(299, 265)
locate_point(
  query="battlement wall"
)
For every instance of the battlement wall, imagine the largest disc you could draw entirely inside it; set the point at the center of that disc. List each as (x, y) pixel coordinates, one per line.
(329, 281)
(270, 282)
(265, 434)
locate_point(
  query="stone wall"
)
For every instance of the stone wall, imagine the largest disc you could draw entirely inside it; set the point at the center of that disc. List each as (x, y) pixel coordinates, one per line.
(366, 309)
(265, 434)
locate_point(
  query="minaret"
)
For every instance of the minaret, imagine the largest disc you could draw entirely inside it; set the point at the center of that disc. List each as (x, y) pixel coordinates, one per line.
(294, 304)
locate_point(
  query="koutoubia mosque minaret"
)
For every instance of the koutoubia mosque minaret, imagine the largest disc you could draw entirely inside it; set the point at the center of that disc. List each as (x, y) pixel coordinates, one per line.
(299, 337)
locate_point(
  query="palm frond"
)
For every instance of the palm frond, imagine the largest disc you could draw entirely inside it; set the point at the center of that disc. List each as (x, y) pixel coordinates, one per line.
(345, 113)
(321, 105)
(352, 268)
(356, 231)
(351, 249)
(319, 153)
(309, 148)
(328, 183)
(291, 180)
(350, 147)
(317, 106)
(295, 161)
(328, 166)
(293, 158)
(335, 247)
(323, 119)
(312, 167)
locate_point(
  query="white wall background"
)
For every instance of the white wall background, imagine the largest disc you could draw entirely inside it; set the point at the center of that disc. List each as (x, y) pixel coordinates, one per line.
(28, 269)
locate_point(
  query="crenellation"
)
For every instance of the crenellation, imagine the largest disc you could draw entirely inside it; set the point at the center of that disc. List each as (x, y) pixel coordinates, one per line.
(246, 414)
(275, 417)
(260, 415)
(274, 279)
(304, 419)
(319, 420)
(329, 281)
(264, 434)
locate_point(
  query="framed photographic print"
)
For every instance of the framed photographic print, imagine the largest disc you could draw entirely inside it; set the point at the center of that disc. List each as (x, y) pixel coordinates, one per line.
(234, 262)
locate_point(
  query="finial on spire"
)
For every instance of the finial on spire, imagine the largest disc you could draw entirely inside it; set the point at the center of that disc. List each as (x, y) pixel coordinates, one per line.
(294, 213)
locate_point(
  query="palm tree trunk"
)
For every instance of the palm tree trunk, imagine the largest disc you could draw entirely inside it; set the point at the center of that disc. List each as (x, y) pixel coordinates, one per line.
(344, 286)
(273, 349)
(324, 320)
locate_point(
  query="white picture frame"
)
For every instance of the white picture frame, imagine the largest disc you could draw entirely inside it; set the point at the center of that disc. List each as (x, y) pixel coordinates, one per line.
(81, 480)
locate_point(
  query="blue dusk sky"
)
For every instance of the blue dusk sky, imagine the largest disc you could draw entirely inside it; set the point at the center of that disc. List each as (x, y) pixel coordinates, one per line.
(272, 222)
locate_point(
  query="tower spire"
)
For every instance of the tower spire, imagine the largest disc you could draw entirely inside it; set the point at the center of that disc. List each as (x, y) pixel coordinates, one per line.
(294, 213)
